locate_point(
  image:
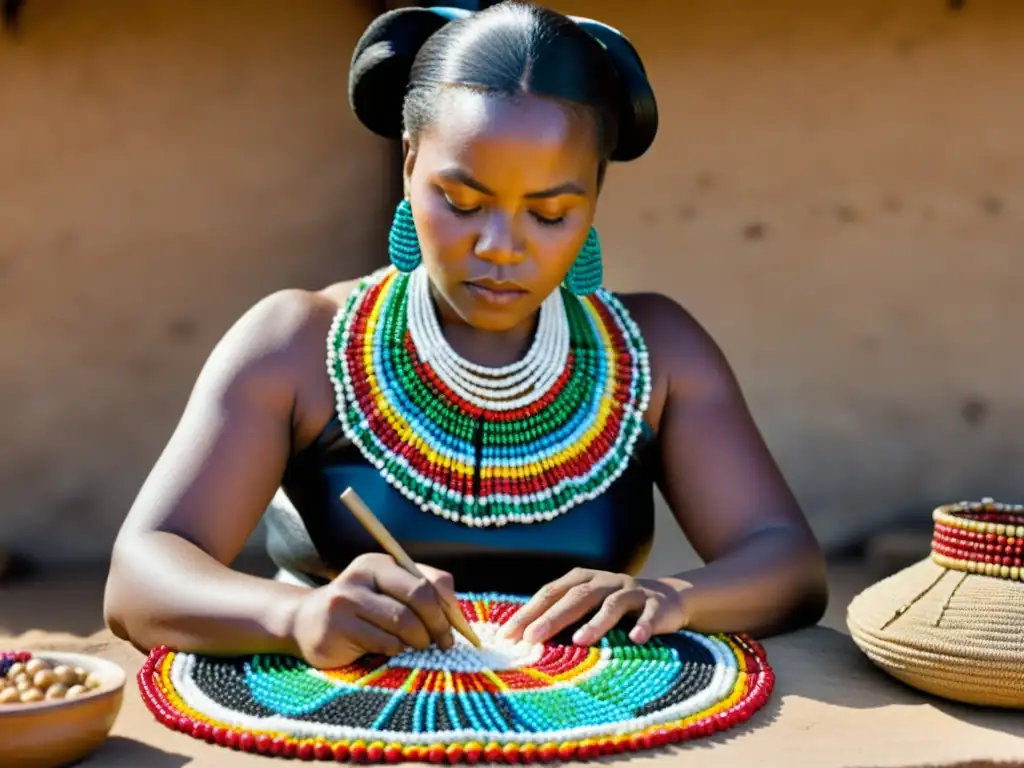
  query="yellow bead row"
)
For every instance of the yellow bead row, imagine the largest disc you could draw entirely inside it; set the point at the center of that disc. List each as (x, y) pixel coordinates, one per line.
(1010, 572)
(397, 421)
(416, 751)
(956, 520)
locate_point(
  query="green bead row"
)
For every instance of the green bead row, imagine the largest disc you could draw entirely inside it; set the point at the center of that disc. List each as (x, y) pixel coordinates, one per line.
(439, 418)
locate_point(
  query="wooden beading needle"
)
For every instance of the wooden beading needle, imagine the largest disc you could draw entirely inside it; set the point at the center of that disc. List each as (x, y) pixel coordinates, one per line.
(376, 529)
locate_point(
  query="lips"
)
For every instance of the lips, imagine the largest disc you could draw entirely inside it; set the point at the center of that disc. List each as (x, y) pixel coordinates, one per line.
(494, 292)
(497, 286)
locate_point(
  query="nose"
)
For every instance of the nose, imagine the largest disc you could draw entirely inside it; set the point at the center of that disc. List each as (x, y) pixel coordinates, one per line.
(498, 242)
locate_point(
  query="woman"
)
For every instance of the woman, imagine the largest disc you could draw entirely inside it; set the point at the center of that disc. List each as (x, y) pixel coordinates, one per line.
(505, 417)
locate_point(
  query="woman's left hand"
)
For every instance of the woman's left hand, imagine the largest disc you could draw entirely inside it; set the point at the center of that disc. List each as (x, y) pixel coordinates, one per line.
(658, 605)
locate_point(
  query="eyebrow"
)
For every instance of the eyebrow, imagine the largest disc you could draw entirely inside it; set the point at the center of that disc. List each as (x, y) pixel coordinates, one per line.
(462, 177)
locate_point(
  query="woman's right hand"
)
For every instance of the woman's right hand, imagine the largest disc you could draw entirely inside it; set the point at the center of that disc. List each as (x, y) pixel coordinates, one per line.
(373, 606)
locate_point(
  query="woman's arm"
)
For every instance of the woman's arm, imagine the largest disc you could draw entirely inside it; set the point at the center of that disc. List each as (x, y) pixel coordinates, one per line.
(169, 580)
(765, 572)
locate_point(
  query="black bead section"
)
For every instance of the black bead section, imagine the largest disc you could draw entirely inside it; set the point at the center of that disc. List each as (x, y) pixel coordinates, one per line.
(442, 722)
(696, 674)
(511, 719)
(354, 709)
(401, 717)
(223, 681)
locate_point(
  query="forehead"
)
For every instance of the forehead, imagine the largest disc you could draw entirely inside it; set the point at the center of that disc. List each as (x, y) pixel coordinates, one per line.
(524, 133)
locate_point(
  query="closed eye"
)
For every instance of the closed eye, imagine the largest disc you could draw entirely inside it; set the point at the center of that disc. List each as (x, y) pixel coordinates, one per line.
(460, 211)
(548, 222)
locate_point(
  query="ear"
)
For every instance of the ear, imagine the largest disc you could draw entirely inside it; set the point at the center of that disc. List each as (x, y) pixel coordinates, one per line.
(408, 162)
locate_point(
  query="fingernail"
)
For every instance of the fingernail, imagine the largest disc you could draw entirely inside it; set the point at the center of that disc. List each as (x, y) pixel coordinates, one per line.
(639, 635)
(582, 636)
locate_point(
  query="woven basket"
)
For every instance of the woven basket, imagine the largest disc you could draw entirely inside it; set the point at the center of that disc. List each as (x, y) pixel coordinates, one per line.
(953, 626)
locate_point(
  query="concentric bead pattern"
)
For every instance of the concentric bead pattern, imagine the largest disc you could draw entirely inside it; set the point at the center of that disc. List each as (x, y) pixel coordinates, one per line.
(488, 447)
(507, 702)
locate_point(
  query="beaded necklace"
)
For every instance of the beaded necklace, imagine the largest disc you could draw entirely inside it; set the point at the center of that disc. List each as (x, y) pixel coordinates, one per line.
(483, 446)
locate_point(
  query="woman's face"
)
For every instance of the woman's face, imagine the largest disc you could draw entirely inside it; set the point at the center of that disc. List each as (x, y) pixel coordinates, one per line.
(503, 194)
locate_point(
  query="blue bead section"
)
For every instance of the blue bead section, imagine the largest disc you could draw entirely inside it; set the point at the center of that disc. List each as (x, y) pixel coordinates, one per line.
(403, 242)
(587, 271)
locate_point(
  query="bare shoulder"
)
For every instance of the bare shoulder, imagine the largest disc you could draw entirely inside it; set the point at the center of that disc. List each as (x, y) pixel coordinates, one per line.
(276, 347)
(275, 328)
(683, 353)
(283, 323)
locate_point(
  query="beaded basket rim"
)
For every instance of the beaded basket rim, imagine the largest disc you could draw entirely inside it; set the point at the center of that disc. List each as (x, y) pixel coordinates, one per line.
(966, 539)
(985, 505)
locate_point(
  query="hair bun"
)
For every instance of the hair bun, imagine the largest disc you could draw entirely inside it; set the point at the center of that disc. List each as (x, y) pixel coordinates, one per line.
(638, 109)
(381, 63)
(384, 56)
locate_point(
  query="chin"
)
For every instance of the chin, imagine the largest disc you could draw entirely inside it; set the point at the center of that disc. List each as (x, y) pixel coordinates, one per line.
(487, 315)
(494, 320)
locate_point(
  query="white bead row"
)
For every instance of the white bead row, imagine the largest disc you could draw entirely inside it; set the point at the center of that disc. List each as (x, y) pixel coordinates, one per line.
(508, 387)
(722, 682)
(448, 502)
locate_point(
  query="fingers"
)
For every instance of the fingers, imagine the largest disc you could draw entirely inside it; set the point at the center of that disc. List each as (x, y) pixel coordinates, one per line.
(442, 580)
(372, 639)
(539, 604)
(576, 603)
(421, 597)
(643, 630)
(612, 610)
(394, 617)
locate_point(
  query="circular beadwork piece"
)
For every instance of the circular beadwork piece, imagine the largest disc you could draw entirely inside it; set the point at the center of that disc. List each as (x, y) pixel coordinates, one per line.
(507, 702)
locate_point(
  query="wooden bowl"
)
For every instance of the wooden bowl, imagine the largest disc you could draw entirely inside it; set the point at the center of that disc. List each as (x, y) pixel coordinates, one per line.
(49, 734)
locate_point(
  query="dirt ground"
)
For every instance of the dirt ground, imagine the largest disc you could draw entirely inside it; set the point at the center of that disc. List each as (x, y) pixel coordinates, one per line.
(827, 699)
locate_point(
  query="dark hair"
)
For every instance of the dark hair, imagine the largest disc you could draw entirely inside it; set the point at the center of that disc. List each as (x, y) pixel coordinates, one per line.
(405, 56)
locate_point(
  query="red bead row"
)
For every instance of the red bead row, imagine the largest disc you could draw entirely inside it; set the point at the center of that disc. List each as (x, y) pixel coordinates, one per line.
(574, 467)
(558, 659)
(977, 546)
(759, 684)
(429, 376)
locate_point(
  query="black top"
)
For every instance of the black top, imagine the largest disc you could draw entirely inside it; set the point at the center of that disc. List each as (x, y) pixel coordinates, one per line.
(319, 536)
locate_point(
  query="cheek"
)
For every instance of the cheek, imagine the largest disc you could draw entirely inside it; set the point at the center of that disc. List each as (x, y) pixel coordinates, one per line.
(557, 246)
(566, 237)
(442, 234)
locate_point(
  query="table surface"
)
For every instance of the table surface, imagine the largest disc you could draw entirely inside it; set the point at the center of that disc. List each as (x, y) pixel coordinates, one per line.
(830, 707)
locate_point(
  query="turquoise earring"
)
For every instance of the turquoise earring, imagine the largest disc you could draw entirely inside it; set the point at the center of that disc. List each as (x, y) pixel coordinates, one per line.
(586, 272)
(403, 242)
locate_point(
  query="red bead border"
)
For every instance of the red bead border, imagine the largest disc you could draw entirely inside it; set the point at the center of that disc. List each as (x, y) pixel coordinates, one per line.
(760, 682)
